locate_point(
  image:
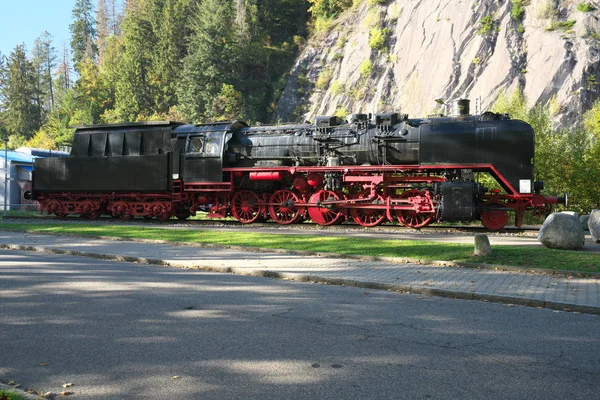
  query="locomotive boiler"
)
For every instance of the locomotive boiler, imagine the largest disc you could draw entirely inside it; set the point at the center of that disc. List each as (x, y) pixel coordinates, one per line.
(369, 169)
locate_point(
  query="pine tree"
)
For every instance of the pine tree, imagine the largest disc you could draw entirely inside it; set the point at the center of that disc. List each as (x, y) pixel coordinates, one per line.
(83, 32)
(133, 85)
(22, 114)
(169, 24)
(62, 81)
(44, 62)
(210, 61)
(102, 25)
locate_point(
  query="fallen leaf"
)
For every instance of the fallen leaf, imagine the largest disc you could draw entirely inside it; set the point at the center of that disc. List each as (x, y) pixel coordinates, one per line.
(44, 364)
(176, 377)
(67, 385)
(66, 393)
(11, 382)
(48, 395)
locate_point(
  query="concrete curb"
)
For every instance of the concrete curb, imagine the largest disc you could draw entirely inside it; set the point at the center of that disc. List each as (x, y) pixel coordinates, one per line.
(394, 260)
(412, 289)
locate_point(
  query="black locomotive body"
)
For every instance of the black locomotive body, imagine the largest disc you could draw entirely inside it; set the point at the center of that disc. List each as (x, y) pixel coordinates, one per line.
(370, 169)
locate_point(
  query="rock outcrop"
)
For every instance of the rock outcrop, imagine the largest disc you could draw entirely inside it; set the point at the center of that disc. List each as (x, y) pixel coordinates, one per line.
(403, 54)
(562, 231)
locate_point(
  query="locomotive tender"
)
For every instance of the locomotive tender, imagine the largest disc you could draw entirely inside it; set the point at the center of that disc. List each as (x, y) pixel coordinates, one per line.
(370, 169)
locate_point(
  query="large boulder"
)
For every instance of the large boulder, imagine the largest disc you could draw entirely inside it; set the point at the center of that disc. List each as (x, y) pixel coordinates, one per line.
(571, 213)
(594, 225)
(562, 231)
(583, 220)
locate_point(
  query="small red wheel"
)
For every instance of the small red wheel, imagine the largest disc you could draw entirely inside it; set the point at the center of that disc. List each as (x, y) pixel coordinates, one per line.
(284, 210)
(494, 220)
(324, 215)
(369, 216)
(56, 208)
(412, 218)
(244, 206)
(120, 209)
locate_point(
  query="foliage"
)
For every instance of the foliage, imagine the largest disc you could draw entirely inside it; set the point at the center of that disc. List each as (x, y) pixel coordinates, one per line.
(378, 38)
(488, 26)
(42, 140)
(328, 9)
(341, 112)
(585, 7)
(591, 119)
(324, 78)
(376, 2)
(83, 32)
(366, 68)
(517, 11)
(337, 87)
(227, 105)
(562, 25)
(20, 97)
(546, 9)
(11, 395)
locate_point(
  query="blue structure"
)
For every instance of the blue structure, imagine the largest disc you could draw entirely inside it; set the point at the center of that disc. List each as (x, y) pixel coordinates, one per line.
(20, 168)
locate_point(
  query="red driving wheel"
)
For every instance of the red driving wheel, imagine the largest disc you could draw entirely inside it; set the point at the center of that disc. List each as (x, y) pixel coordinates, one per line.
(244, 206)
(412, 218)
(324, 214)
(369, 216)
(283, 209)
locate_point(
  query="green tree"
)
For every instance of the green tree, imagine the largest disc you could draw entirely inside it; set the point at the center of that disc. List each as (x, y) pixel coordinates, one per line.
(210, 60)
(83, 32)
(169, 25)
(22, 113)
(44, 62)
(133, 83)
(91, 91)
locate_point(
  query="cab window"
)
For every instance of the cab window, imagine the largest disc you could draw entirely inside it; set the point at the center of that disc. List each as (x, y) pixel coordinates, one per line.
(195, 144)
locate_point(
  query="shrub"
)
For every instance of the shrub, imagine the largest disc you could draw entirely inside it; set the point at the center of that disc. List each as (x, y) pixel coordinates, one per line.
(562, 25)
(341, 112)
(337, 87)
(324, 78)
(518, 9)
(546, 9)
(585, 7)
(377, 39)
(366, 68)
(488, 26)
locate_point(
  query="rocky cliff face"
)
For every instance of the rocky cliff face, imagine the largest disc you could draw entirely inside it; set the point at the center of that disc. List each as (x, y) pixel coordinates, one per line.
(403, 54)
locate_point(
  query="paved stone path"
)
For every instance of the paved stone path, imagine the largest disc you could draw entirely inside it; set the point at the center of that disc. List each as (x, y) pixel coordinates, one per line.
(534, 289)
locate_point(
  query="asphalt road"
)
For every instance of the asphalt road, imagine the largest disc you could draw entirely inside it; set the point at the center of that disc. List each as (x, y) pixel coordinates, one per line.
(124, 331)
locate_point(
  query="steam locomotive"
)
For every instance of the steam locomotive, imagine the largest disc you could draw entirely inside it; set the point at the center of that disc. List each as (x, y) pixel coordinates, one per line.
(369, 169)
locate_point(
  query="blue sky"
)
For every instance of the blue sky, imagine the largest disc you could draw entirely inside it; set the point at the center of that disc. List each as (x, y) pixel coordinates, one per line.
(22, 21)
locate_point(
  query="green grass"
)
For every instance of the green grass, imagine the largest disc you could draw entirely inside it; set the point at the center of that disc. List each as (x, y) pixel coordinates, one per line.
(521, 256)
(10, 395)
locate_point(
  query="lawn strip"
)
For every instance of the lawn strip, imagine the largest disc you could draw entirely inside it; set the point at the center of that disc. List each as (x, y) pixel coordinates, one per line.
(520, 256)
